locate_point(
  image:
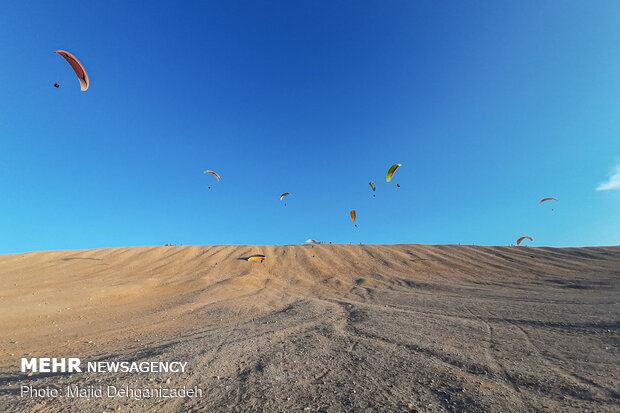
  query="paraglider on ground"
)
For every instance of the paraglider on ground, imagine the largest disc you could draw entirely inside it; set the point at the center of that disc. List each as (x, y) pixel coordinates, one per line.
(321, 327)
(256, 258)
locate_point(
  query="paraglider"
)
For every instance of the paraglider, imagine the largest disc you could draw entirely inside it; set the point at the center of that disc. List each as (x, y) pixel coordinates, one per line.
(372, 185)
(283, 195)
(397, 185)
(56, 85)
(353, 216)
(212, 173)
(311, 241)
(520, 240)
(77, 68)
(391, 171)
(547, 199)
(258, 257)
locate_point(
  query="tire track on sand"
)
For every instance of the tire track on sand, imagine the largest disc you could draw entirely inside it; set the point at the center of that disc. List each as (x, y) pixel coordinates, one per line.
(490, 340)
(584, 384)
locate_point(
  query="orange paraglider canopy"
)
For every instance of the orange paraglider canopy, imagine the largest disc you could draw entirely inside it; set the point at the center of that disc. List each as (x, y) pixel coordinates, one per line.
(77, 68)
(520, 240)
(353, 216)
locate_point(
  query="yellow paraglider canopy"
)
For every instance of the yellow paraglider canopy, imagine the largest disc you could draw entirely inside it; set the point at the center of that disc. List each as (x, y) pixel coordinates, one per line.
(257, 257)
(391, 171)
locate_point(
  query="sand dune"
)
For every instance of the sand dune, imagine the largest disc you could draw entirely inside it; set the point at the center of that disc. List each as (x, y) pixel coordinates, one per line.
(324, 328)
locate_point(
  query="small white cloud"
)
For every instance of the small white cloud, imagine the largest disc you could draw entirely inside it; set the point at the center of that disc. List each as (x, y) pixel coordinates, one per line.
(612, 183)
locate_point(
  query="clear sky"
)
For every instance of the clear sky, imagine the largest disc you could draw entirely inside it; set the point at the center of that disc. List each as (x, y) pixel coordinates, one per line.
(490, 106)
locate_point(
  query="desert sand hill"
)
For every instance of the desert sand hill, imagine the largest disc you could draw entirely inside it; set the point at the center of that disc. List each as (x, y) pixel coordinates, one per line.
(322, 328)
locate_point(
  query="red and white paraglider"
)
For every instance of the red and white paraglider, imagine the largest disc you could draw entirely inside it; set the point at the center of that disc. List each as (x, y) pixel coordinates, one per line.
(78, 68)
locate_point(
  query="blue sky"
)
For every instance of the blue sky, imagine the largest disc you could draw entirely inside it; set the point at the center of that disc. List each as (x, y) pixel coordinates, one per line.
(490, 106)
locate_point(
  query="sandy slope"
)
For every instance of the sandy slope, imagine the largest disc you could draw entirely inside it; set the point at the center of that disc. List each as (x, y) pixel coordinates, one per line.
(328, 328)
